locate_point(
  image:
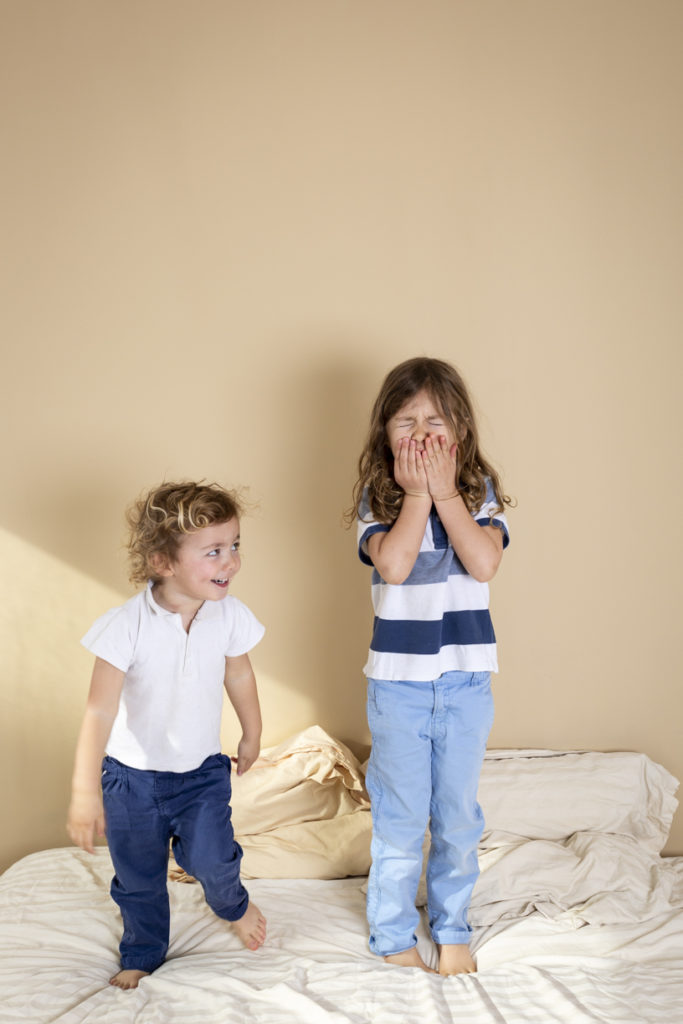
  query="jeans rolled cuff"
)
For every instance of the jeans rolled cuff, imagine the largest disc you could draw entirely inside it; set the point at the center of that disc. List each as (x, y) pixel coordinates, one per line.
(395, 952)
(452, 937)
(233, 912)
(131, 964)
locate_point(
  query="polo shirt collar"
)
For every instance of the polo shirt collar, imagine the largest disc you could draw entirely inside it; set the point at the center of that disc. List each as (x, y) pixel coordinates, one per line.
(153, 605)
(209, 610)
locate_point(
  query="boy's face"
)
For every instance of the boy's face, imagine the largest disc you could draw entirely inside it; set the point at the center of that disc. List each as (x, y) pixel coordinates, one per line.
(205, 563)
(416, 420)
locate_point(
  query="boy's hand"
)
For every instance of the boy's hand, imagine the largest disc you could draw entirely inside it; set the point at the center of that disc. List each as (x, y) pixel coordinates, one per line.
(440, 463)
(86, 817)
(247, 752)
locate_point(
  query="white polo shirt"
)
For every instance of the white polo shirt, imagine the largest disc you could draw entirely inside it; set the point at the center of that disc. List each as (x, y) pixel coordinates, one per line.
(170, 711)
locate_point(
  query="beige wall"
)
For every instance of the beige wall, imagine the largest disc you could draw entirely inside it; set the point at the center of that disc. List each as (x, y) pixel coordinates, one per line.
(225, 221)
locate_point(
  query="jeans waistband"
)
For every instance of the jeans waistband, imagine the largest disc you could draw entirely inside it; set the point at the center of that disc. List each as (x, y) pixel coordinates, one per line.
(111, 764)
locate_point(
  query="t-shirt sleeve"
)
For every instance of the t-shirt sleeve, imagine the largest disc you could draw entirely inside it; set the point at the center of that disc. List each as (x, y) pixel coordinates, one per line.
(366, 526)
(112, 638)
(243, 629)
(484, 517)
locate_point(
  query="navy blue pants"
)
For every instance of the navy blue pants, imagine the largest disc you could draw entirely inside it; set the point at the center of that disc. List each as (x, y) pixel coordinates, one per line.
(144, 810)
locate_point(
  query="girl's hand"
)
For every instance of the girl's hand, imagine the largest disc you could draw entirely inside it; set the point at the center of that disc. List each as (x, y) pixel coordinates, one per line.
(440, 464)
(86, 818)
(409, 471)
(247, 752)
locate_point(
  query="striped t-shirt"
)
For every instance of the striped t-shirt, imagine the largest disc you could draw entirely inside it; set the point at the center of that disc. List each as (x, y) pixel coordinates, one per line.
(438, 619)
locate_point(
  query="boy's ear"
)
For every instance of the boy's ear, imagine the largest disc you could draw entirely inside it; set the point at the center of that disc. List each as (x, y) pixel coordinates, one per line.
(159, 562)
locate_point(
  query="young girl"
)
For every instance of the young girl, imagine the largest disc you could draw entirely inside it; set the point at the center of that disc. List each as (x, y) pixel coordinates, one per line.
(162, 660)
(430, 521)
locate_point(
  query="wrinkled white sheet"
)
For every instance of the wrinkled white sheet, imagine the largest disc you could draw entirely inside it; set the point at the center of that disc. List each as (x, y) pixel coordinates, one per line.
(551, 794)
(58, 946)
(574, 836)
(576, 917)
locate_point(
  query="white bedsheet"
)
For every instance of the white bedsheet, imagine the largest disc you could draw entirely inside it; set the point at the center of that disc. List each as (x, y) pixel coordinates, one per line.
(59, 932)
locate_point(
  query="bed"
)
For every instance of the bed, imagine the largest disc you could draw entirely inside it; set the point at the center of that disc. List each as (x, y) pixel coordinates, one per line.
(576, 915)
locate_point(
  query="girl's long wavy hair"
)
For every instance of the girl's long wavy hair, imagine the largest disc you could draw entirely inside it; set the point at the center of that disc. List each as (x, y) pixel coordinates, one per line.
(448, 391)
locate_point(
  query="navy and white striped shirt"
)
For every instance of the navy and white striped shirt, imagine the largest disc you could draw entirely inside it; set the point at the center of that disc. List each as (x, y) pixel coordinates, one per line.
(438, 619)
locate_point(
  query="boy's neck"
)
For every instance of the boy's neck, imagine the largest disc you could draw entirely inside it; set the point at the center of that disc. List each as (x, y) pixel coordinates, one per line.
(170, 601)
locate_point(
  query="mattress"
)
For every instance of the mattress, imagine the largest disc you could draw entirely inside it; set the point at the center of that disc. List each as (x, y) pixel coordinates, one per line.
(576, 915)
(59, 932)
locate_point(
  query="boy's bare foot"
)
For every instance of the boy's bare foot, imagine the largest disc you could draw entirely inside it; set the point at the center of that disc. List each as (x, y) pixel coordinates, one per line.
(455, 959)
(127, 979)
(409, 958)
(251, 928)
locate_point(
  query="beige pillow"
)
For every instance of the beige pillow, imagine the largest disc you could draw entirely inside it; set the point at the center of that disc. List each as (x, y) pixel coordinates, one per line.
(308, 777)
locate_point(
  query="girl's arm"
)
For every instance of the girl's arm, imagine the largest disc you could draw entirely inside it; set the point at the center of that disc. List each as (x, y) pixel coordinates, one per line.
(395, 552)
(86, 814)
(479, 548)
(240, 686)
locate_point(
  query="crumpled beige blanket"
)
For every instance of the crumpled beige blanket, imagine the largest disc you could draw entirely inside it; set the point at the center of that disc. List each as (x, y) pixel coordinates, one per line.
(301, 811)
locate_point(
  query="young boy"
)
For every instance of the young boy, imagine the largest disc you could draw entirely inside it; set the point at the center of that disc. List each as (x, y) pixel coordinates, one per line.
(154, 706)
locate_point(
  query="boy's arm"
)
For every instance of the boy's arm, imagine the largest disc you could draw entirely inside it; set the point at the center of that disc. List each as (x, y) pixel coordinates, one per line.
(86, 814)
(240, 686)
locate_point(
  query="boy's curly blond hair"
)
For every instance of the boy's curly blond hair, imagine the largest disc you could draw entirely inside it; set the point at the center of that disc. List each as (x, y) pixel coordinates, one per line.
(159, 520)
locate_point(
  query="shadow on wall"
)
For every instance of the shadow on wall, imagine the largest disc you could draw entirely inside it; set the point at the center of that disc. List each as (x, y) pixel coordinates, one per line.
(301, 573)
(75, 522)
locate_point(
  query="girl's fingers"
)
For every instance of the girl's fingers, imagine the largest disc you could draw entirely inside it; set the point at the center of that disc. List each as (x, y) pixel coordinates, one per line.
(439, 463)
(419, 460)
(439, 446)
(409, 459)
(410, 465)
(433, 450)
(400, 460)
(411, 454)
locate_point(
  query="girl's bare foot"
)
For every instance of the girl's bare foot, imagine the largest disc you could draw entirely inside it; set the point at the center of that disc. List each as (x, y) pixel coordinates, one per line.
(127, 979)
(409, 958)
(455, 959)
(251, 928)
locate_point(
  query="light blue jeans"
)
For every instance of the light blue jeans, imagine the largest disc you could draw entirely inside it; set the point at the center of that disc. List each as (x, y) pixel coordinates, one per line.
(428, 744)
